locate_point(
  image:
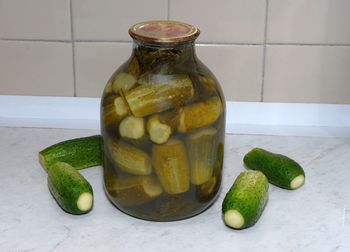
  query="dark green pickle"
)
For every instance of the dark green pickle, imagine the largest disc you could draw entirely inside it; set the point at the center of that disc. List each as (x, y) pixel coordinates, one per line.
(155, 111)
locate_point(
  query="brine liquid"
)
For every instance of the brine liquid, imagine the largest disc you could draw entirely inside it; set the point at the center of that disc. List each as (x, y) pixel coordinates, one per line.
(166, 207)
(137, 200)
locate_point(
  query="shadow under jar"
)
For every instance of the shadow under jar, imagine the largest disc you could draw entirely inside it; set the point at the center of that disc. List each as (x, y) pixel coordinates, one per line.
(163, 126)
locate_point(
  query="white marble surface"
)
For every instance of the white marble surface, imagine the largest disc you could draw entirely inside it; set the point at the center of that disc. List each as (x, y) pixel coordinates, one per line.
(315, 217)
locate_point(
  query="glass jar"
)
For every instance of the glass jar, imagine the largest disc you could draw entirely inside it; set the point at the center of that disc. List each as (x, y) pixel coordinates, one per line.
(163, 126)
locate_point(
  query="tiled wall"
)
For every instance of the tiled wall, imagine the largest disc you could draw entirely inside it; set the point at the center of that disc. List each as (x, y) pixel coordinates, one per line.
(260, 50)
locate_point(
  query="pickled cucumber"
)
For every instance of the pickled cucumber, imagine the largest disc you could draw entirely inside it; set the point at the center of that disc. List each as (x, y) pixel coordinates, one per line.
(114, 111)
(158, 129)
(135, 190)
(209, 189)
(130, 159)
(133, 67)
(132, 127)
(202, 154)
(156, 97)
(171, 166)
(206, 86)
(123, 81)
(199, 114)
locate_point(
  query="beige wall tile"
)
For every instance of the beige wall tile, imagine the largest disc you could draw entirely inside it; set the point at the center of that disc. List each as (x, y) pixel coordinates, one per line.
(36, 68)
(223, 21)
(95, 63)
(238, 68)
(35, 19)
(312, 21)
(316, 74)
(110, 19)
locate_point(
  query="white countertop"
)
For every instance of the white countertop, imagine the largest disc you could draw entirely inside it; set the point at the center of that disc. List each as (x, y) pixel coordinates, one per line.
(315, 217)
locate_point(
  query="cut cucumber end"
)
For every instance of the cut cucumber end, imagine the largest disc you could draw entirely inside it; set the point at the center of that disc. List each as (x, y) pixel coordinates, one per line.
(151, 186)
(297, 182)
(85, 201)
(234, 219)
(153, 190)
(42, 161)
(159, 133)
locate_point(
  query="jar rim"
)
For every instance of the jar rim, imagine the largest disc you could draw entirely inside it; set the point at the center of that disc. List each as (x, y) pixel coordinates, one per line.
(164, 32)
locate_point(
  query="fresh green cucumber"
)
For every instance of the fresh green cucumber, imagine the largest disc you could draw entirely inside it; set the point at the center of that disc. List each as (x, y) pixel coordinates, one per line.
(70, 189)
(279, 169)
(246, 200)
(79, 152)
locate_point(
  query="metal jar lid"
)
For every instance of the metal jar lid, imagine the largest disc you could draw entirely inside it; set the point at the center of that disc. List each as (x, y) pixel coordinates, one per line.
(163, 32)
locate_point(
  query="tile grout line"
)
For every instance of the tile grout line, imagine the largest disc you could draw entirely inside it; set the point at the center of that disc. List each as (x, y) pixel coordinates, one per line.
(102, 41)
(36, 40)
(73, 48)
(227, 44)
(264, 53)
(168, 10)
(305, 44)
(199, 43)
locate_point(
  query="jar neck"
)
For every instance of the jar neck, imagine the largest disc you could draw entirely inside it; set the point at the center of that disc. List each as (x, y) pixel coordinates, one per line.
(156, 56)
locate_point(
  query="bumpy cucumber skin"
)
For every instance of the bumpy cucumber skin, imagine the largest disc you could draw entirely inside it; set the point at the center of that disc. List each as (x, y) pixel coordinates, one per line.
(248, 195)
(279, 169)
(66, 184)
(80, 153)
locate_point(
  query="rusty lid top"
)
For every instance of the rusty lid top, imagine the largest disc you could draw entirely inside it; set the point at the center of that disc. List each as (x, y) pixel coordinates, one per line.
(163, 32)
